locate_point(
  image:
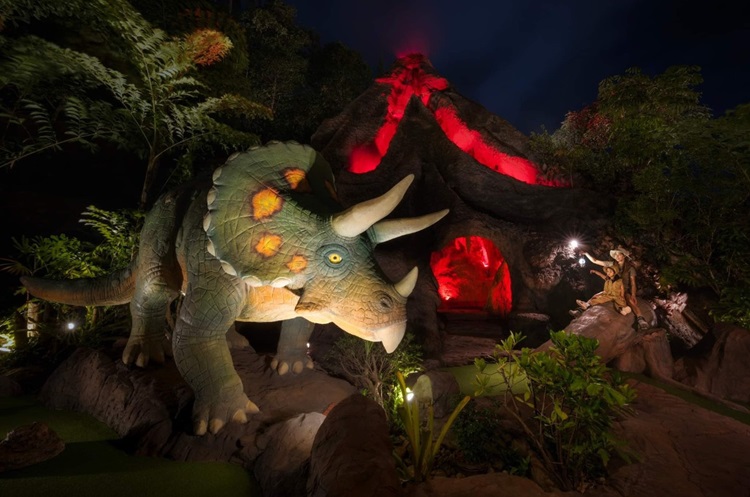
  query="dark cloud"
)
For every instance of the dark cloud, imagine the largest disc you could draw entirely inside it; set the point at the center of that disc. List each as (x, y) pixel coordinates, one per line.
(532, 62)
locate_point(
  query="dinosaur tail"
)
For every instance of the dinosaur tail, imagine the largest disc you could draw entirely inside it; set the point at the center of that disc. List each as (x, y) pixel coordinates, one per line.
(116, 288)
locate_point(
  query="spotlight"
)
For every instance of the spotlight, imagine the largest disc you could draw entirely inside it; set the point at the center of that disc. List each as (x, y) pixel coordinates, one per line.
(409, 396)
(71, 326)
(573, 244)
(582, 261)
(308, 345)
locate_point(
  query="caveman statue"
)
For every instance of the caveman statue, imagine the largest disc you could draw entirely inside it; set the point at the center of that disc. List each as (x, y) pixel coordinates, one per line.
(261, 244)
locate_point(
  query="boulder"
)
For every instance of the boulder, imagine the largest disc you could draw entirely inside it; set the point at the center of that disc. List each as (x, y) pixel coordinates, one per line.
(29, 444)
(151, 407)
(282, 467)
(682, 449)
(650, 354)
(725, 370)
(352, 453)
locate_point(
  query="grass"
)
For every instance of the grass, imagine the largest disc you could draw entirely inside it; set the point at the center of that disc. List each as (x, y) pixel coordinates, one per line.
(93, 465)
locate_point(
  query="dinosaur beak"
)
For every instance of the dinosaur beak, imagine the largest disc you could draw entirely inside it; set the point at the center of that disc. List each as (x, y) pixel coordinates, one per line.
(392, 336)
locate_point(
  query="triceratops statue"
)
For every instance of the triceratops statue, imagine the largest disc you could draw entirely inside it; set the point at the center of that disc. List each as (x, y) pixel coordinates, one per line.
(261, 244)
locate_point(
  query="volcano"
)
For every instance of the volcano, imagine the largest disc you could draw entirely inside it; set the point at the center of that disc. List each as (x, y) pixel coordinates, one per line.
(503, 250)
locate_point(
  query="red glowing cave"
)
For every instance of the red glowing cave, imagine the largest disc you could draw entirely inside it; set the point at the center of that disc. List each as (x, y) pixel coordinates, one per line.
(472, 276)
(410, 79)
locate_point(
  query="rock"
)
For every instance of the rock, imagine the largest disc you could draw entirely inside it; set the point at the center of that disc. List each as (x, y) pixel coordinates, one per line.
(649, 354)
(683, 450)
(681, 319)
(29, 444)
(9, 387)
(151, 407)
(489, 485)
(725, 372)
(282, 467)
(614, 331)
(352, 453)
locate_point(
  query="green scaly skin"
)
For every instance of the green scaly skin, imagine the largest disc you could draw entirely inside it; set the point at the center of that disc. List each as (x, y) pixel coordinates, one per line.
(205, 244)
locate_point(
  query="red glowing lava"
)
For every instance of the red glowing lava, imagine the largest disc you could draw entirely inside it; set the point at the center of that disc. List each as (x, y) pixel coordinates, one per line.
(472, 275)
(410, 79)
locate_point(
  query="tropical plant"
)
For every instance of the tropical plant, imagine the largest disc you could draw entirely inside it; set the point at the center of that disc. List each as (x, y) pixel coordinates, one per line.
(422, 445)
(65, 257)
(370, 368)
(568, 407)
(146, 100)
(675, 176)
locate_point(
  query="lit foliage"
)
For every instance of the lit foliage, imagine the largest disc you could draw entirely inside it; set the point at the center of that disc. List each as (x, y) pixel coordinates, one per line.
(154, 107)
(207, 47)
(681, 179)
(472, 274)
(422, 444)
(62, 257)
(568, 406)
(370, 368)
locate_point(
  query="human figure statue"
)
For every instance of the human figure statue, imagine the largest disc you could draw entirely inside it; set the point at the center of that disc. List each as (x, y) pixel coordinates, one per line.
(613, 291)
(623, 265)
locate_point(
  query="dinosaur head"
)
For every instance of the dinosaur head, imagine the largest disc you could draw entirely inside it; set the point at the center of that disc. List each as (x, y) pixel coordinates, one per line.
(349, 288)
(271, 235)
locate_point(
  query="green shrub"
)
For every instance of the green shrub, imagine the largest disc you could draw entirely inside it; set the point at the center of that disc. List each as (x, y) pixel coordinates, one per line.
(371, 369)
(64, 257)
(569, 405)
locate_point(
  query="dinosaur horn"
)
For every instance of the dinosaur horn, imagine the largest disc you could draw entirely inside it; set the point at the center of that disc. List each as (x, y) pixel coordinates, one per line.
(358, 218)
(406, 285)
(393, 228)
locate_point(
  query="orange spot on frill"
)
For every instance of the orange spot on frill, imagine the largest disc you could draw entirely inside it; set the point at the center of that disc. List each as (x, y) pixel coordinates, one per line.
(266, 203)
(268, 245)
(297, 264)
(297, 179)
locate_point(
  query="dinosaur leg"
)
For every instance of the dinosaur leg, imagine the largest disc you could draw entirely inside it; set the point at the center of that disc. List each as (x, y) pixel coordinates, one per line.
(291, 352)
(158, 279)
(202, 355)
(148, 339)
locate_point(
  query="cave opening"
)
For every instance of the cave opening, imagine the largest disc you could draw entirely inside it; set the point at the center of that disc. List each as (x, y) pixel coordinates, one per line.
(472, 277)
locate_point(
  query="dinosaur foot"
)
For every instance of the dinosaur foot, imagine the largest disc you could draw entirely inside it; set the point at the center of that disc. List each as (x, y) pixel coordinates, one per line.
(212, 417)
(142, 350)
(282, 365)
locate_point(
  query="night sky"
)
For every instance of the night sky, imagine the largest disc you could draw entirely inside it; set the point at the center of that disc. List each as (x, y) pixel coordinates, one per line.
(532, 62)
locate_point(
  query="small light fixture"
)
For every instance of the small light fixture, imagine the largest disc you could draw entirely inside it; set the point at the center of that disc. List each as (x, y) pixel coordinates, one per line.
(409, 396)
(308, 345)
(582, 261)
(573, 244)
(71, 326)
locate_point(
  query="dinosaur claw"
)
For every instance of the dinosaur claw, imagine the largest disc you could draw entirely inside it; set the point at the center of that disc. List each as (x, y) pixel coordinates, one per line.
(200, 427)
(251, 408)
(274, 363)
(297, 367)
(239, 416)
(283, 368)
(309, 364)
(142, 360)
(215, 425)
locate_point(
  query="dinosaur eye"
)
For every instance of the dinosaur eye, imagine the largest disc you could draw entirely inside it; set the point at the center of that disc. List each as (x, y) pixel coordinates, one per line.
(335, 257)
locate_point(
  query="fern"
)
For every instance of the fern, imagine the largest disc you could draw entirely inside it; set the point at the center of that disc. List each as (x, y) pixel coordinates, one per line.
(154, 110)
